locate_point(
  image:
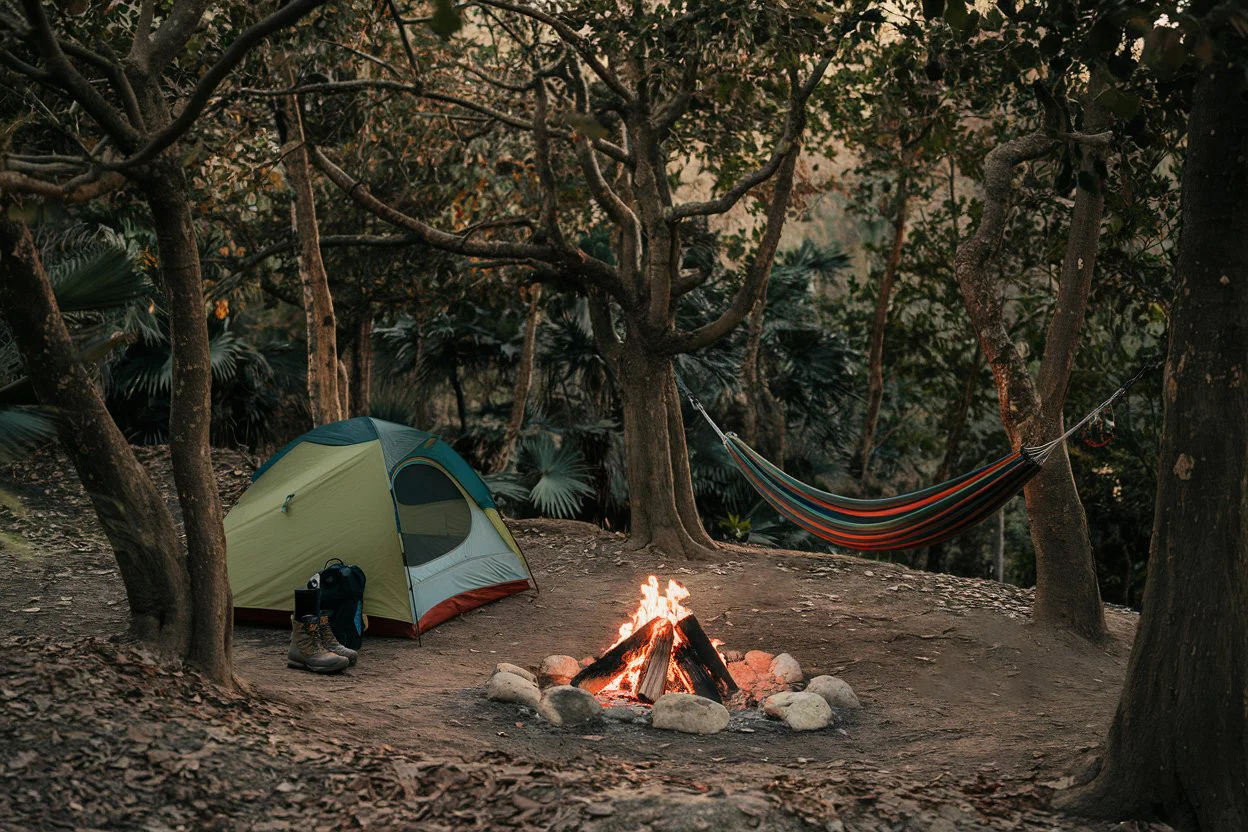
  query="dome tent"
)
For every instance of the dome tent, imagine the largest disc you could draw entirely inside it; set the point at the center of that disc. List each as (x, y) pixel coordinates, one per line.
(397, 501)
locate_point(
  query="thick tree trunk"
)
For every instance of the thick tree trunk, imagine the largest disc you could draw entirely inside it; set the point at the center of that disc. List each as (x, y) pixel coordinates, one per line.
(362, 366)
(875, 356)
(1178, 748)
(524, 381)
(318, 303)
(131, 511)
(660, 487)
(190, 421)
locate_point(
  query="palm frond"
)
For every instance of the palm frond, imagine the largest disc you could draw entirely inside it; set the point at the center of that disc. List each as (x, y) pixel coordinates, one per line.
(103, 277)
(559, 475)
(22, 429)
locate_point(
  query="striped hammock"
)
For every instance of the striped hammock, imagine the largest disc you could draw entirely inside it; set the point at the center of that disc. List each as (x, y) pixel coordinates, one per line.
(906, 521)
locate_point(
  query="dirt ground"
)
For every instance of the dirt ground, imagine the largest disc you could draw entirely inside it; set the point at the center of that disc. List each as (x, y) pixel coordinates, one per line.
(962, 697)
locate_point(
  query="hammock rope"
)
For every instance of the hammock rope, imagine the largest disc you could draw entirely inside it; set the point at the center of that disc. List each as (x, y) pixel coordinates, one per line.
(906, 521)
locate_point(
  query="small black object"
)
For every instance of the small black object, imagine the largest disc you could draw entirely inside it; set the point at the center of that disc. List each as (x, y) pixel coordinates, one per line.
(307, 602)
(342, 599)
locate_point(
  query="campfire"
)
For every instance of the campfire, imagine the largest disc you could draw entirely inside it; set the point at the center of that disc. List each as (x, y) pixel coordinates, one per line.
(661, 649)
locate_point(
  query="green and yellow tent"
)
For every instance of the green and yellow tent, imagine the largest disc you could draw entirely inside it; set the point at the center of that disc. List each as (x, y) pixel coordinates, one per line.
(398, 502)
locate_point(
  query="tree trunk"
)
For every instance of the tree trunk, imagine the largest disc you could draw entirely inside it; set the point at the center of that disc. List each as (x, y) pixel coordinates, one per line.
(190, 420)
(318, 304)
(362, 365)
(131, 511)
(875, 357)
(660, 487)
(1067, 595)
(763, 426)
(1178, 748)
(524, 380)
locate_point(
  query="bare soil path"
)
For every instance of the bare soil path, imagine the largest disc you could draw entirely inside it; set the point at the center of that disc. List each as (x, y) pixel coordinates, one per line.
(966, 706)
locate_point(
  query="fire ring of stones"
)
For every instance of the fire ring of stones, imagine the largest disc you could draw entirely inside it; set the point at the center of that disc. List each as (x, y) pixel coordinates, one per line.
(663, 665)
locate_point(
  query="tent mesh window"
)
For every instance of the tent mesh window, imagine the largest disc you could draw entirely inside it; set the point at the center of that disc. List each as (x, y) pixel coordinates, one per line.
(434, 517)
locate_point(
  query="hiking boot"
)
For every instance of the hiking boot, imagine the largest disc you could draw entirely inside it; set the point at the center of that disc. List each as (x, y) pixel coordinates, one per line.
(331, 643)
(306, 652)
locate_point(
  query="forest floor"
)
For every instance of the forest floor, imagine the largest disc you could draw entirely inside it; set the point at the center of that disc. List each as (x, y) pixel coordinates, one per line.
(970, 717)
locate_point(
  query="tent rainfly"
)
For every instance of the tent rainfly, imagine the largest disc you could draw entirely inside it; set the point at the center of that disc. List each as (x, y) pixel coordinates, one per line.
(398, 502)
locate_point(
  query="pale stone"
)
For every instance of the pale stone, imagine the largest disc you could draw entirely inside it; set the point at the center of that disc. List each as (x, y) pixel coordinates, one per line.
(510, 687)
(559, 669)
(835, 691)
(504, 667)
(801, 711)
(785, 668)
(759, 661)
(689, 714)
(566, 705)
(587, 661)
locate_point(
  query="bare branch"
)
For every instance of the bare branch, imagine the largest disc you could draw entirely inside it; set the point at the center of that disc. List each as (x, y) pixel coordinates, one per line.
(759, 272)
(141, 46)
(606, 148)
(174, 31)
(576, 261)
(545, 168)
(217, 73)
(570, 37)
(794, 122)
(79, 189)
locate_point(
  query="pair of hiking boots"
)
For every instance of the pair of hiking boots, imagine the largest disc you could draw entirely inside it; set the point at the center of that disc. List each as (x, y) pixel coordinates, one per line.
(314, 647)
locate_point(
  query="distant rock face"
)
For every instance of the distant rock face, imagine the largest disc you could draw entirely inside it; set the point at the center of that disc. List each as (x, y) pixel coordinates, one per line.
(689, 714)
(505, 686)
(801, 711)
(566, 705)
(504, 667)
(559, 670)
(786, 669)
(835, 691)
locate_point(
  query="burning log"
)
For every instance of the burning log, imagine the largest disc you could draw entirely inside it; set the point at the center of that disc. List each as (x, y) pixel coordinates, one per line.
(599, 674)
(701, 682)
(694, 637)
(654, 672)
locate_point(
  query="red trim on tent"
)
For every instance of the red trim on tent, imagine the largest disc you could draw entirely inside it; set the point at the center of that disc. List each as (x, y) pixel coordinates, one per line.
(281, 620)
(440, 613)
(469, 600)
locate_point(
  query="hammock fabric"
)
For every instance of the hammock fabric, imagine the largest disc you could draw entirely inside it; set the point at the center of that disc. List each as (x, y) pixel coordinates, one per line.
(906, 521)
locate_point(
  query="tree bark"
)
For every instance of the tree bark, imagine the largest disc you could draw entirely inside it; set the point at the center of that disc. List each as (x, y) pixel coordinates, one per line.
(1178, 748)
(318, 303)
(524, 381)
(190, 420)
(662, 512)
(362, 365)
(131, 511)
(1067, 595)
(875, 356)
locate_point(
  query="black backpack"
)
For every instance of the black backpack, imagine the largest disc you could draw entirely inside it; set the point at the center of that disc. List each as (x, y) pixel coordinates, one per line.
(342, 598)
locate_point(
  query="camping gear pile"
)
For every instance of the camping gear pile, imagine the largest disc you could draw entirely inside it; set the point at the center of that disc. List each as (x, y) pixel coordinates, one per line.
(327, 614)
(397, 502)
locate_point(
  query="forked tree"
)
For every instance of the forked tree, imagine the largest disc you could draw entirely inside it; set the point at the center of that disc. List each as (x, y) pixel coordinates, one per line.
(121, 84)
(618, 100)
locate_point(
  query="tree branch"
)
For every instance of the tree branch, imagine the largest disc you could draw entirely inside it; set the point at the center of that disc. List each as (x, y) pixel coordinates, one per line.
(217, 73)
(594, 270)
(173, 33)
(570, 37)
(79, 189)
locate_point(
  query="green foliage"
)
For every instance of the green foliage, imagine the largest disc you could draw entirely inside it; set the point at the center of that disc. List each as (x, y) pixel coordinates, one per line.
(22, 429)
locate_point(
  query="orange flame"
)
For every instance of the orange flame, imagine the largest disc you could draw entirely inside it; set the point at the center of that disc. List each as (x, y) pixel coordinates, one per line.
(653, 605)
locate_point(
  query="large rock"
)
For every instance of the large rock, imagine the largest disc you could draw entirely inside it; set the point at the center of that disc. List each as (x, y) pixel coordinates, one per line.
(835, 691)
(759, 661)
(801, 711)
(688, 713)
(566, 705)
(505, 686)
(785, 668)
(504, 667)
(559, 670)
